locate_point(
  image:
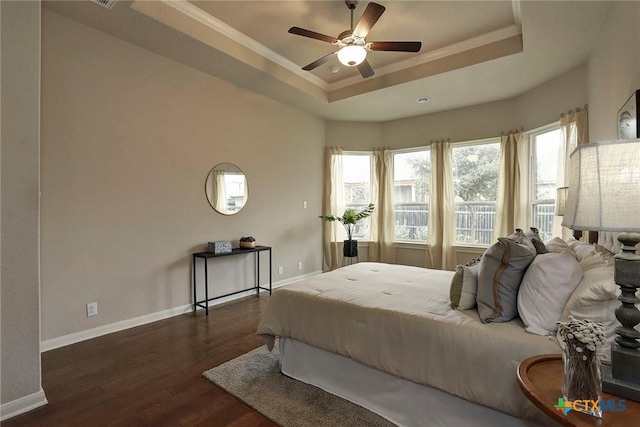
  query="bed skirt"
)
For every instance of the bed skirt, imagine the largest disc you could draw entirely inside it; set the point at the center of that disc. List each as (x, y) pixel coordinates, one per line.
(400, 401)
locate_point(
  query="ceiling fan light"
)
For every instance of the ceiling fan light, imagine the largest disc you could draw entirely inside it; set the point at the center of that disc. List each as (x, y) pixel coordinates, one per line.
(352, 55)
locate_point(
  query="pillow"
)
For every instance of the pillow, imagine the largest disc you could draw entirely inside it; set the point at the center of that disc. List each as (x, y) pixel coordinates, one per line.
(546, 287)
(595, 299)
(606, 253)
(499, 276)
(464, 285)
(581, 249)
(591, 255)
(534, 236)
(558, 245)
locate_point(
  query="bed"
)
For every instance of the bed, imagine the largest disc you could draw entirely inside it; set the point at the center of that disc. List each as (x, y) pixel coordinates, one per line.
(391, 328)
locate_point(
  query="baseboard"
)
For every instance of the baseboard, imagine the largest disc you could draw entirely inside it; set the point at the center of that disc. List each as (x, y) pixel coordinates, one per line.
(22, 405)
(76, 337)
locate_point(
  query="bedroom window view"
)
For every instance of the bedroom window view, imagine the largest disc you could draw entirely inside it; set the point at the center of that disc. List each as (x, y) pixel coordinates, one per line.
(411, 180)
(475, 182)
(545, 148)
(356, 177)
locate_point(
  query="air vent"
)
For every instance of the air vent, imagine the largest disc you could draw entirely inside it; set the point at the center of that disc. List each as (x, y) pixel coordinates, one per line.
(105, 3)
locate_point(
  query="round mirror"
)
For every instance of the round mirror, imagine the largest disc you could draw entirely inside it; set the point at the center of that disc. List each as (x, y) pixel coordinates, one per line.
(226, 189)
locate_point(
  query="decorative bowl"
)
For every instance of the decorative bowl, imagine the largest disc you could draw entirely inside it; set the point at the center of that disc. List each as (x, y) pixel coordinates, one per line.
(247, 245)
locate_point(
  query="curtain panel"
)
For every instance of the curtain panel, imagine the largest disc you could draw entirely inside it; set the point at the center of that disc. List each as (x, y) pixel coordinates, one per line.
(440, 253)
(511, 202)
(333, 203)
(382, 247)
(575, 129)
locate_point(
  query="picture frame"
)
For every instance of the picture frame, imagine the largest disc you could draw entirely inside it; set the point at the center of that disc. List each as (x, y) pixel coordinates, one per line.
(628, 120)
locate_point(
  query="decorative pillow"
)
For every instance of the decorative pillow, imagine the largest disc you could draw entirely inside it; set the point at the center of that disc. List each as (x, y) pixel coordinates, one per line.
(464, 285)
(546, 287)
(499, 276)
(595, 299)
(536, 240)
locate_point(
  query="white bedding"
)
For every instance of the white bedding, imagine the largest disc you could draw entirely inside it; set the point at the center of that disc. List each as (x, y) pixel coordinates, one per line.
(397, 319)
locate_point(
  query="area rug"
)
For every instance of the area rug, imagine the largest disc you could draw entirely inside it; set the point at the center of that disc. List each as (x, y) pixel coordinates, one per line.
(255, 379)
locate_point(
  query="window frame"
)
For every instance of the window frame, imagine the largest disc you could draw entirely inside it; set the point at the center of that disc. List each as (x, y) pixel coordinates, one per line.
(371, 172)
(404, 151)
(532, 196)
(463, 144)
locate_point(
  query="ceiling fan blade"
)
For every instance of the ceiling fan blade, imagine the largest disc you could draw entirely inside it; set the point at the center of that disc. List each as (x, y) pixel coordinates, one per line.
(318, 62)
(370, 16)
(396, 46)
(312, 34)
(365, 68)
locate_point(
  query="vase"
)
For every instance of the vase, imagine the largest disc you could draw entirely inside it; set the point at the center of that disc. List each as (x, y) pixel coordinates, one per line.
(582, 382)
(350, 248)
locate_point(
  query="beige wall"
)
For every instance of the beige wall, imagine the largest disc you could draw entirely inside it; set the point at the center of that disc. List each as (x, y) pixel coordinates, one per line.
(20, 135)
(128, 138)
(614, 69)
(537, 107)
(544, 104)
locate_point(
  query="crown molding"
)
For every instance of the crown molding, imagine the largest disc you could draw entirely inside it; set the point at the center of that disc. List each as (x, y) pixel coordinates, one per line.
(197, 14)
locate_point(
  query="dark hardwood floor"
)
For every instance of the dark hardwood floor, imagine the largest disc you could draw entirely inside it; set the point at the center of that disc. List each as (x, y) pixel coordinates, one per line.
(151, 375)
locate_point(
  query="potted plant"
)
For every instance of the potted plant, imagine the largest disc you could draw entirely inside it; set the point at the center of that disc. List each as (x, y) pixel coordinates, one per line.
(349, 219)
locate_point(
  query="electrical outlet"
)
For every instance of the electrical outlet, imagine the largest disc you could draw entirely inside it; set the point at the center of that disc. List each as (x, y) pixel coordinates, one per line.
(299, 266)
(304, 205)
(280, 270)
(92, 309)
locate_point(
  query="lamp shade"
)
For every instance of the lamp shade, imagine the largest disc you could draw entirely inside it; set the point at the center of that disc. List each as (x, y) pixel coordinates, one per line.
(604, 188)
(352, 55)
(561, 200)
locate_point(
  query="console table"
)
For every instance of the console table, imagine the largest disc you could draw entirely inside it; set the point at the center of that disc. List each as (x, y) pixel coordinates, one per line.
(239, 251)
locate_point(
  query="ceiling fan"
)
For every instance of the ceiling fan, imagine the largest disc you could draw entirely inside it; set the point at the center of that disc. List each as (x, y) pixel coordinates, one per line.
(352, 45)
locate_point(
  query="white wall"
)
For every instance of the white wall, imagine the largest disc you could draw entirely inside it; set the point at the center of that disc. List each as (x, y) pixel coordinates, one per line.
(20, 135)
(614, 69)
(128, 138)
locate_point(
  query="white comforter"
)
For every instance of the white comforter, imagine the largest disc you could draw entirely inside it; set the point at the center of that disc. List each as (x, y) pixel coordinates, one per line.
(397, 319)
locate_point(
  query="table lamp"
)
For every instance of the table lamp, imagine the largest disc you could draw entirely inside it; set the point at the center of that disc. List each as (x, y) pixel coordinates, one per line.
(604, 195)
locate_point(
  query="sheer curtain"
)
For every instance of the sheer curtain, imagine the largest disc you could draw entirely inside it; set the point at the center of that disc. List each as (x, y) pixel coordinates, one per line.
(333, 203)
(220, 192)
(575, 129)
(382, 246)
(440, 252)
(511, 203)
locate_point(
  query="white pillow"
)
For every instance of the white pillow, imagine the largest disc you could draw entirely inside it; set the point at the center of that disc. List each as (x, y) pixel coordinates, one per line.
(581, 249)
(558, 245)
(546, 287)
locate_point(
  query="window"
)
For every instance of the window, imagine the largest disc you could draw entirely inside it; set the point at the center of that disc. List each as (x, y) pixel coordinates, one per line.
(411, 180)
(475, 182)
(356, 177)
(545, 149)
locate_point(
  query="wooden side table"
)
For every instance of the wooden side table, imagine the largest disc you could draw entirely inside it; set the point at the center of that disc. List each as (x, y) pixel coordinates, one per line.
(540, 379)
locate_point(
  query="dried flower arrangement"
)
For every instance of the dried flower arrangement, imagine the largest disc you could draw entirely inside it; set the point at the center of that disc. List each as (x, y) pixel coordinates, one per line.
(579, 341)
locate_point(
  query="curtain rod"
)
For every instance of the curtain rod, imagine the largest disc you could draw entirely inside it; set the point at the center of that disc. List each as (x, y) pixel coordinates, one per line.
(578, 109)
(512, 131)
